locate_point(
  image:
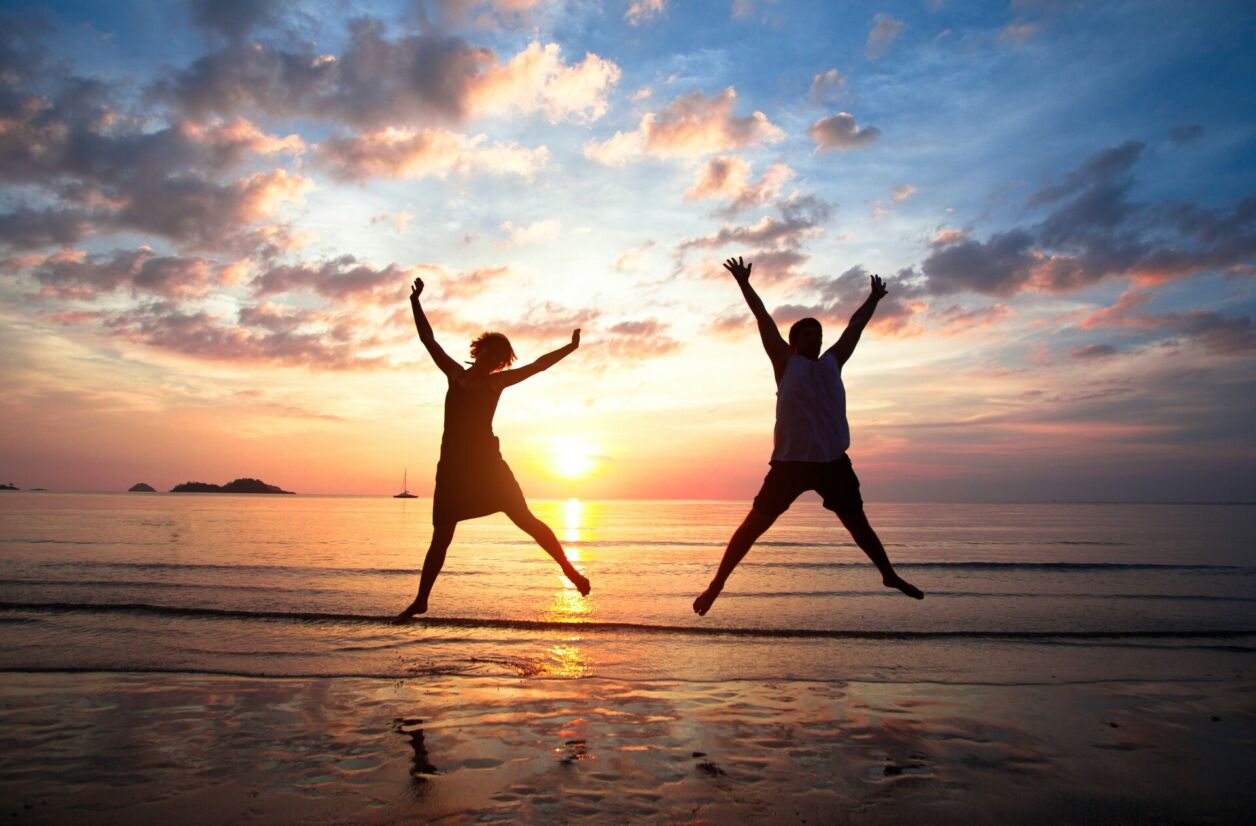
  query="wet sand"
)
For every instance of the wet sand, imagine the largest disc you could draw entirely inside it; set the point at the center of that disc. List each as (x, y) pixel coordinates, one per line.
(157, 748)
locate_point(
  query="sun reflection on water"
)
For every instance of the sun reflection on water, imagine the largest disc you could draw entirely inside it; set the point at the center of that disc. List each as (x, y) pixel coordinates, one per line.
(573, 513)
(566, 660)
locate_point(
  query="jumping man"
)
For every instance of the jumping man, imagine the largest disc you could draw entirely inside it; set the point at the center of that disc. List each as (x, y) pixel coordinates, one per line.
(811, 436)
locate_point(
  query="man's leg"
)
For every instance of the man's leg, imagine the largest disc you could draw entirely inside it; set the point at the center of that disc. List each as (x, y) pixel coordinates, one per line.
(442, 535)
(544, 537)
(866, 538)
(751, 528)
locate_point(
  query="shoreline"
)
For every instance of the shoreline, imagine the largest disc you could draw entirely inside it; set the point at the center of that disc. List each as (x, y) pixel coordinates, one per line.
(150, 747)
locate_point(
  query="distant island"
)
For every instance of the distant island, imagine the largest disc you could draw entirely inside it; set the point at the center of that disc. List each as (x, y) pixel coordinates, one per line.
(237, 486)
(141, 487)
(9, 486)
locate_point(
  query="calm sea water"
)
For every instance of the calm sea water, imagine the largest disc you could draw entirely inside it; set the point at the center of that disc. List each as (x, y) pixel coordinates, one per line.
(301, 586)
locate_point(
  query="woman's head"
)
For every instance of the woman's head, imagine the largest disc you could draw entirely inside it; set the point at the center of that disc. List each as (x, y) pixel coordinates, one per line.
(493, 350)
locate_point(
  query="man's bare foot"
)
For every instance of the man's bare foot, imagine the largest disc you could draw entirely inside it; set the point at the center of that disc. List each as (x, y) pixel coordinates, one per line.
(581, 582)
(416, 607)
(904, 586)
(705, 600)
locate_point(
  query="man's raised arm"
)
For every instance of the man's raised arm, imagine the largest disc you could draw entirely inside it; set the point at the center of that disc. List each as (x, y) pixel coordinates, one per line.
(775, 346)
(447, 365)
(844, 347)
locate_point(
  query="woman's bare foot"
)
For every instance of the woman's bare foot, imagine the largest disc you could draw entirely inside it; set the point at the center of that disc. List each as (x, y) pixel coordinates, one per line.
(416, 607)
(904, 586)
(705, 600)
(581, 582)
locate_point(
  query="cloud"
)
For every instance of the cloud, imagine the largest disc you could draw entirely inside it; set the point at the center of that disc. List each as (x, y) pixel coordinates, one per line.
(378, 81)
(1103, 170)
(1000, 266)
(1215, 332)
(470, 283)
(1218, 333)
(897, 314)
(537, 232)
(639, 11)
(727, 178)
(691, 126)
(235, 18)
(885, 30)
(955, 319)
(415, 153)
(827, 86)
(633, 260)
(545, 322)
(77, 274)
(1184, 135)
(775, 243)
(96, 169)
(902, 193)
(628, 341)
(1093, 352)
(840, 132)
(1019, 32)
(1094, 231)
(399, 220)
(489, 14)
(339, 279)
(261, 334)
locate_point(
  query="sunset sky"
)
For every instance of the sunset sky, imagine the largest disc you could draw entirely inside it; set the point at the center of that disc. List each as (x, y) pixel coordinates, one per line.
(211, 211)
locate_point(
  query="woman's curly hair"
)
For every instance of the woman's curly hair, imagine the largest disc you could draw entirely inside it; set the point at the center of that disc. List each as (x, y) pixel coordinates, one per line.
(494, 341)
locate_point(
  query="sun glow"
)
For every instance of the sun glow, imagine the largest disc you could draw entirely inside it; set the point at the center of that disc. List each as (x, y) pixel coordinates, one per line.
(572, 457)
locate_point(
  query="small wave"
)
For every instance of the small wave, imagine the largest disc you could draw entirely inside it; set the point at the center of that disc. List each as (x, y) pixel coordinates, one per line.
(624, 627)
(959, 565)
(934, 594)
(212, 566)
(1026, 566)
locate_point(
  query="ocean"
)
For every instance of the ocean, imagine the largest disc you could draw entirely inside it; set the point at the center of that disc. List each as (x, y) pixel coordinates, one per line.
(302, 586)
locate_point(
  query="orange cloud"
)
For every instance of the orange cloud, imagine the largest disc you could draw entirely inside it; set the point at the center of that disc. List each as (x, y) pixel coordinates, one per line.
(728, 178)
(691, 126)
(537, 79)
(415, 153)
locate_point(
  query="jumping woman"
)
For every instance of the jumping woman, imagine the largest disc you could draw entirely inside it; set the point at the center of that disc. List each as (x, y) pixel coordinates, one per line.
(472, 479)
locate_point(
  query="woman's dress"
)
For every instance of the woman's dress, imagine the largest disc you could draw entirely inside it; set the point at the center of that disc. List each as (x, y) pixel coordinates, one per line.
(472, 479)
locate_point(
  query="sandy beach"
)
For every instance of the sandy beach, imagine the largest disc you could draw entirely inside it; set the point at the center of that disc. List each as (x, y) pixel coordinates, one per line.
(148, 748)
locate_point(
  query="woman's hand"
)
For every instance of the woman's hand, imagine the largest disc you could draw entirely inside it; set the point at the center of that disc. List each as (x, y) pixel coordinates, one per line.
(416, 289)
(575, 337)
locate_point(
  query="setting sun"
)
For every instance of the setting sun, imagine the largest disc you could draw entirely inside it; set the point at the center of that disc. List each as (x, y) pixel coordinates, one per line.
(572, 458)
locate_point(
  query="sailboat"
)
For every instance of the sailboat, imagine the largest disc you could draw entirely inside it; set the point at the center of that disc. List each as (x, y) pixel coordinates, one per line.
(405, 487)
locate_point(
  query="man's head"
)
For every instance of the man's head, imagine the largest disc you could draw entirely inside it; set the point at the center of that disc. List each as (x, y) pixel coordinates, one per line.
(493, 350)
(805, 338)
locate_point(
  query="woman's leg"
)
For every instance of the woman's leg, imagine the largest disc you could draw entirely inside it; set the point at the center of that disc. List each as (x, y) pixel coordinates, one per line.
(442, 535)
(544, 537)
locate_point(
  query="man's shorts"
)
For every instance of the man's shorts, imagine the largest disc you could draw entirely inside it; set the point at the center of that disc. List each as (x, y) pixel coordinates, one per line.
(835, 482)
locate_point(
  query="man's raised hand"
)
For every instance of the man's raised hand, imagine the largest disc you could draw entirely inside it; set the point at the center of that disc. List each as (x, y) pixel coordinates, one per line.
(739, 268)
(416, 289)
(878, 287)
(575, 337)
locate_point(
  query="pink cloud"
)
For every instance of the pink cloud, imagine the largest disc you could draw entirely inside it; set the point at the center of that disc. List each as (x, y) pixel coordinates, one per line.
(339, 279)
(639, 11)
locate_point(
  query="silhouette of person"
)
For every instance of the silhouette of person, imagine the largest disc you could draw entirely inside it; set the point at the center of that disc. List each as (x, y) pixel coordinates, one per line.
(472, 479)
(811, 436)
